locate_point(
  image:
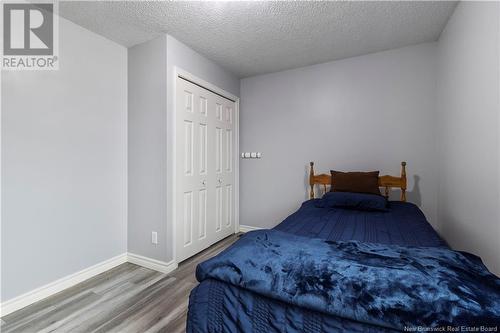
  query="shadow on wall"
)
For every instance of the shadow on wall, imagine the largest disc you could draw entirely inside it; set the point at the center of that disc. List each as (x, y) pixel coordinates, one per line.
(414, 196)
(306, 182)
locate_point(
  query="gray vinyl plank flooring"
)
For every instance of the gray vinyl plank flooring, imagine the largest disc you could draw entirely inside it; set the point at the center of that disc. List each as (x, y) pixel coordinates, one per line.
(125, 299)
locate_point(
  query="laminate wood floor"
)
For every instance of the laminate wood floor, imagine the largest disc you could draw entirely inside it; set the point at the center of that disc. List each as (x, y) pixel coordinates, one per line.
(126, 299)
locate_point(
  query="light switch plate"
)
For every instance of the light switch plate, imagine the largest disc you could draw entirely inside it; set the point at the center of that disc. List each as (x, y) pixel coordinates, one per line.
(253, 154)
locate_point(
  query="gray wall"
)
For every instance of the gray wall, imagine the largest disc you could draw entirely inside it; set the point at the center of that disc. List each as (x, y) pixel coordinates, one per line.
(64, 150)
(364, 113)
(468, 130)
(147, 154)
(178, 54)
(151, 91)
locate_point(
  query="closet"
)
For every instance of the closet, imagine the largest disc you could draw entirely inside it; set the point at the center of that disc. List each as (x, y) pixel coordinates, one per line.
(205, 170)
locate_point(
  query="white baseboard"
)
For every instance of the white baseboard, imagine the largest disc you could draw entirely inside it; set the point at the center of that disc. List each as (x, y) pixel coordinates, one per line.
(247, 228)
(157, 265)
(52, 288)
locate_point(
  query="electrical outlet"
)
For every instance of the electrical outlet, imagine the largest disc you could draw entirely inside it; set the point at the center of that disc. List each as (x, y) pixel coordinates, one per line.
(154, 237)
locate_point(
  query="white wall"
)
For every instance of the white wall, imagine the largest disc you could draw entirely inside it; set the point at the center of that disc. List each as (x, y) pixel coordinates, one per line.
(468, 130)
(147, 153)
(64, 150)
(364, 113)
(151, 93)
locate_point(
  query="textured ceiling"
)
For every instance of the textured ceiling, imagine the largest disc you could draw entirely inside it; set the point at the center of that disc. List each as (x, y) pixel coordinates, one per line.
(249, 38)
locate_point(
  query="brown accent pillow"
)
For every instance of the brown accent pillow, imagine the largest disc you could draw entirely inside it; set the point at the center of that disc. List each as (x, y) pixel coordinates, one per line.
(358, 182)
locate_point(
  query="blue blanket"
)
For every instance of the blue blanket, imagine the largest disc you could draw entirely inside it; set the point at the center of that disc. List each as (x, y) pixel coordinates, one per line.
(384, 285)
(404, 224)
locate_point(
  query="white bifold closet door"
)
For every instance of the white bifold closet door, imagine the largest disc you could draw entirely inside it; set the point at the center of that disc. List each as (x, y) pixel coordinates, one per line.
(205, 182)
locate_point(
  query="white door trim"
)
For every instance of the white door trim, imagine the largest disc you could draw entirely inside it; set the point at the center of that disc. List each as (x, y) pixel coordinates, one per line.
(179, 72)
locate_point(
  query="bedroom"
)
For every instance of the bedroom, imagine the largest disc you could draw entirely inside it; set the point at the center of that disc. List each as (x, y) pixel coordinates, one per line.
(150, 103)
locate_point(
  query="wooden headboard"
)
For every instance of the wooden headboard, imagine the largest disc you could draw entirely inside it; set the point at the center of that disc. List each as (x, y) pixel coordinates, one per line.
(387, 182)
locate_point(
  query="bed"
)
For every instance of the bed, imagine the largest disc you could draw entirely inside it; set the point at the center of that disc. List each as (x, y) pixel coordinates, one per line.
(259, 284)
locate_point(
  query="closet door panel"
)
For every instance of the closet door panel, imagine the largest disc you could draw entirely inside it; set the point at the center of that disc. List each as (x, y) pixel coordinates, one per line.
(204, 168)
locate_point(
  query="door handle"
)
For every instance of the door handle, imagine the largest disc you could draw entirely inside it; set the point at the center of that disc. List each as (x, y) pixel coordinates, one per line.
(220, 181)
(203, 182)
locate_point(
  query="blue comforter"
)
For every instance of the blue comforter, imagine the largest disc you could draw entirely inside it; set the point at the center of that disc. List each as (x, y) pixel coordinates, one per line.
(382, 285)
(403, 224)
